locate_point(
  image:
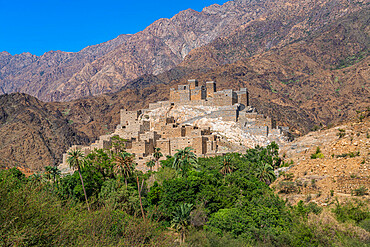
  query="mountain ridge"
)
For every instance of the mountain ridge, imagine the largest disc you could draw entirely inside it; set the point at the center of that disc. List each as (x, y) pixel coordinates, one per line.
(319, 80)
(164, 44)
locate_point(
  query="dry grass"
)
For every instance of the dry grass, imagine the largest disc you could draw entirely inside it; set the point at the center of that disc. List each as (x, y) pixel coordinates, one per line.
(325, 223)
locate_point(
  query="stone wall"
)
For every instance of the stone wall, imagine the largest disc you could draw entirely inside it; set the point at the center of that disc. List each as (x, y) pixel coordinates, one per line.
(168, 135)
(180, 143)
(200, 145)
(129, 117)
(193, 83)
(149, 135)
(184, 95)
(173, 130)
(243, 96)
(224, 98)
(142, 148)
(174, 96)
(198, 93)
(164, 145)
(347, 184)
(210, 88)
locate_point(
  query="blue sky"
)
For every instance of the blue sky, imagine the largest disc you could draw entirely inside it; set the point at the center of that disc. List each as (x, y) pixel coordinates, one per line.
(38, 26)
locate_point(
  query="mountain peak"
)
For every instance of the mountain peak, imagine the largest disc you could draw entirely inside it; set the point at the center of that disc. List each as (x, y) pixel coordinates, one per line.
(5, 53)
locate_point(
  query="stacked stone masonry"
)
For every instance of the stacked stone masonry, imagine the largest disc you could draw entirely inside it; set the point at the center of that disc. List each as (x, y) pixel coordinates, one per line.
(143, 136)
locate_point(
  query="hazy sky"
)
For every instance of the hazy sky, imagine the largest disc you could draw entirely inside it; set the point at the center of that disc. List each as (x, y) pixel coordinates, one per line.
(38, 26)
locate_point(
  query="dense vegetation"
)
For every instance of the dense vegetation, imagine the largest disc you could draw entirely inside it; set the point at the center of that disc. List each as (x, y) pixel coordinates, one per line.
(220, 201)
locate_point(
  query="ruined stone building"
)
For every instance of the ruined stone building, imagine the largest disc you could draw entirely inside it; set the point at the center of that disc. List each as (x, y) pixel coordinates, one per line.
(233, 106)
(142, 134)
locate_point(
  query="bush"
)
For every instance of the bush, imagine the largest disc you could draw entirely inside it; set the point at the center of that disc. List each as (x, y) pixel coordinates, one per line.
(360, 191)
(352, 210)
(313, 183)
(256, 220)
(32, 214)
(317, 154)
(350, 154)
(365, 224)
(288, 176)
(236, 209)
(211, 239)
(287, 187)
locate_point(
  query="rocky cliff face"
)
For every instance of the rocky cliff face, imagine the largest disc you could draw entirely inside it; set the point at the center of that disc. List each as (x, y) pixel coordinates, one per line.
(283, 23)
(41, 75)
(32, 134)
(320, 78)
(238, 29)
(158, 48)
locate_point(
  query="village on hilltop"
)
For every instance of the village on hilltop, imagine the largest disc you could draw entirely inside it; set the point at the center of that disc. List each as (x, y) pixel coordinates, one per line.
(159, 127)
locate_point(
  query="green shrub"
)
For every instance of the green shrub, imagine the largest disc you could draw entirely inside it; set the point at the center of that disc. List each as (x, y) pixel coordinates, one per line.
(236, 209)
(33, 214)
(350, 154)
(360, 191)
(287, 187)
(313, 183)
(351, 210)
(365, 224)
(288, 176)
(317, 154)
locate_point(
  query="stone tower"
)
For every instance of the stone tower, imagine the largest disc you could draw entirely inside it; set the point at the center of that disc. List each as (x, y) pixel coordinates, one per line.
(243, 96)
(211, 88)
(193, 84)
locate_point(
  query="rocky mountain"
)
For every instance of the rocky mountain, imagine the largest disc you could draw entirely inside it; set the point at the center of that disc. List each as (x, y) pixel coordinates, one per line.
(320, 79)
(158, 48)
(238, 29)
(32, 134)
(41, 75)
(317, 80)
(283, 23)
(342, 169)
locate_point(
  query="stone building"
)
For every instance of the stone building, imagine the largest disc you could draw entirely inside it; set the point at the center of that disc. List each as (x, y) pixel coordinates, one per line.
(143, 135)
(141, 138)
(193, 93)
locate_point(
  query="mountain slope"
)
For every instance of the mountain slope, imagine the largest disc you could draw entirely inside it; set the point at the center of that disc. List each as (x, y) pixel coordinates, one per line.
(158, 48)
(31, 134)
(343, 168)
(237, 29)
(290, 84)
(285, 22)
(41, 75)
(164, 44)
(320, 79)
(323, 78)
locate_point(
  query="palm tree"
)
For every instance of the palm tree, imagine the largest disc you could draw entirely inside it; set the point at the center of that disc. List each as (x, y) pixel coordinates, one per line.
(48, 172)
(184, 160)
(55, 172)
(36, 177)
(150, 164)
(181, 220)
(265, 172)
(75, 161)
(227, 165)
(52, 171)
(157, 155)
(125, 165)
(101, 161)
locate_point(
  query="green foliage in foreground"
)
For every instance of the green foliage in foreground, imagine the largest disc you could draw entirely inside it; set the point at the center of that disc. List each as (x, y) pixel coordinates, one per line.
(32, 214)
(220, 201)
